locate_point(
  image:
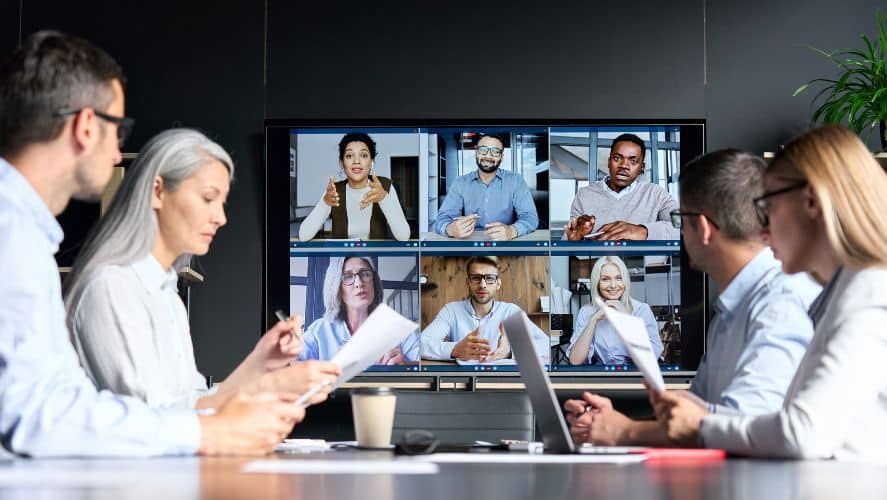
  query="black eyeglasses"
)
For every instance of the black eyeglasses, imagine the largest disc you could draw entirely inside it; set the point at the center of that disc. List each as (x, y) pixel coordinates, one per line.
(762, 203)
(677, 214)
(490, 279)
(482, 150)
(124, 123)
(365, 276)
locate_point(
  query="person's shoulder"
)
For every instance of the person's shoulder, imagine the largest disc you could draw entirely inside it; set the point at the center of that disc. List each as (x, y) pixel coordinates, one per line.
(795, 287)
(109, 282)
(863, 287)
(640, 307)
(652, 189)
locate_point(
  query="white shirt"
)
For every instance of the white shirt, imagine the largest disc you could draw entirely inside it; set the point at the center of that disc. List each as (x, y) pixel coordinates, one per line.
(48, 406)
(130, 329)
(836, 404)
(358, 218)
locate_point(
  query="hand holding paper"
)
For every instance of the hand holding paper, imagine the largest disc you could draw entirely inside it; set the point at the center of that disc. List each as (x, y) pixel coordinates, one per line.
(633, 333)
(382, 331)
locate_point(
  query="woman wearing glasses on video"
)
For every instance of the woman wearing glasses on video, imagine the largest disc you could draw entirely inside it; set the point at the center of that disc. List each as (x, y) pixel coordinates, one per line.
(352, 289)
(594, 340)
(363, 205)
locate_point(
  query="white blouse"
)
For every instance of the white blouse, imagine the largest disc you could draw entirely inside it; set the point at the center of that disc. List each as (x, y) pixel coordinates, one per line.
(130, 330)
(836, 405)
(358, 218)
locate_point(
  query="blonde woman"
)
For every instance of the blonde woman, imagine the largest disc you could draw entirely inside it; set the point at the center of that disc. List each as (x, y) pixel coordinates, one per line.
(594, 340)
(824, 211)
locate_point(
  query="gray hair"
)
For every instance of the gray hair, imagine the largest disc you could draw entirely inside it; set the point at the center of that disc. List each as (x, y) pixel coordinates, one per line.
(626, 278)
(128, 231)
(332, 287)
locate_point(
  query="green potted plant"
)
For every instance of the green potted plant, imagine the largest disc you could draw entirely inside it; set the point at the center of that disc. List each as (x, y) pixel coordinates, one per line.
(858, 94)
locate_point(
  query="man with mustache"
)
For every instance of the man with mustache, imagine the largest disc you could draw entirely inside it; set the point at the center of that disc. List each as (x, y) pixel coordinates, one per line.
(495, 201)
(621, 207)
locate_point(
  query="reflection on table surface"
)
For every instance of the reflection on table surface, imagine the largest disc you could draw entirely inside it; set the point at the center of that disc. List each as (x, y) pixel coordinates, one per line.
(538, 235)
(221, 478)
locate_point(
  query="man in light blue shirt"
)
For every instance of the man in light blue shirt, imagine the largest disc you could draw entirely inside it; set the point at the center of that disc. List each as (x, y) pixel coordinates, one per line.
(761, 328)
(58, 142)
(488, 199)
(471, 330)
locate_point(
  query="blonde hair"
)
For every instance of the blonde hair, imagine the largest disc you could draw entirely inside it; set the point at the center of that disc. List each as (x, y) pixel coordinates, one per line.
(850, 187)
(595, 278)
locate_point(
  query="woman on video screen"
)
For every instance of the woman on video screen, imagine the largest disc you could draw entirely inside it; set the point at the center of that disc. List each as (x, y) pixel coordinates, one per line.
(352, 289)
(594, 340)
(363, 204)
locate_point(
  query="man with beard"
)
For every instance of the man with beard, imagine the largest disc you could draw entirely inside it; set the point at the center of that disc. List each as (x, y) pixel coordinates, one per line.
(489, 199)
(471, 329)
(621, 207)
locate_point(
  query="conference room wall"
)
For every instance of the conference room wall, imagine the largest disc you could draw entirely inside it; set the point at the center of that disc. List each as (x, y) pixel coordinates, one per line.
(203, 64)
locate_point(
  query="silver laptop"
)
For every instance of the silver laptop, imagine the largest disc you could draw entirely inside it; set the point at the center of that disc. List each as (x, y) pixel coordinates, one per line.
(555, 433)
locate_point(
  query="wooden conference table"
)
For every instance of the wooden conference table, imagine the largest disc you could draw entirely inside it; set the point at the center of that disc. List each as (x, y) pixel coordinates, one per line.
(222, 478)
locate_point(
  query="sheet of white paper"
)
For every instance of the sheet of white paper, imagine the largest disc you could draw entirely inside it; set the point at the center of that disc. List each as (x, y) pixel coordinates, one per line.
(382, 331)
(528, 458)
(341, 467)
(634, 334)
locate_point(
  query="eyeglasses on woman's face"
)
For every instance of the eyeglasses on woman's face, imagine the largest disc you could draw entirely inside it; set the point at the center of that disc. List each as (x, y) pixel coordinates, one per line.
(762, 203)
(366, 275)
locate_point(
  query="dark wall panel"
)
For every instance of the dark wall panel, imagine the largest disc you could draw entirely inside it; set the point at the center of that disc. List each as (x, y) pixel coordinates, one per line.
(604, 59)
(758, 56)
(10, 11)
(196, 64)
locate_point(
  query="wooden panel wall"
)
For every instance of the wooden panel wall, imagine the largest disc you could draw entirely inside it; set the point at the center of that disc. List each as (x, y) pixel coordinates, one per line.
(524, 280)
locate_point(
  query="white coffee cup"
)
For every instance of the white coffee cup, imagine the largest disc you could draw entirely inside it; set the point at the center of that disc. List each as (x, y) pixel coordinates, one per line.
(373, 409)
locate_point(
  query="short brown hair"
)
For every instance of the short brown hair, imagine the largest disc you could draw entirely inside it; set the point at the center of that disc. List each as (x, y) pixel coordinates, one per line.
(49, 72)
(490, 260)
(723, 184)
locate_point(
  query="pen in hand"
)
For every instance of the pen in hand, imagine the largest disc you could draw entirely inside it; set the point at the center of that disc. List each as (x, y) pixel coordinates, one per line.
(282, 317)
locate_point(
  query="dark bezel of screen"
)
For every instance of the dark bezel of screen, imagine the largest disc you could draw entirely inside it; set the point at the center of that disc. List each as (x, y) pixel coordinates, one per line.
(275, 281)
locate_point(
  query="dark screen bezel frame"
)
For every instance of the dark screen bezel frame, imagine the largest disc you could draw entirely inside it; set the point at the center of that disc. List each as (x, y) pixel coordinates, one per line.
(275, 265)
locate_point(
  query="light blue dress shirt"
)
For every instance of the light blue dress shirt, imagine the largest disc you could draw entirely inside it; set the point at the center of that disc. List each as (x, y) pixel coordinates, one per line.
(756, 339)
(505, 199)
(607, 346)
(48, 406)
(324, 338)
(457, 319)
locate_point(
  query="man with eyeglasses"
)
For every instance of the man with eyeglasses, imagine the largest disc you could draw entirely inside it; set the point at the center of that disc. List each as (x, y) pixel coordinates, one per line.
(760, 329)
(61, 128)
(489, 199)
(622, 207)
(471, 330)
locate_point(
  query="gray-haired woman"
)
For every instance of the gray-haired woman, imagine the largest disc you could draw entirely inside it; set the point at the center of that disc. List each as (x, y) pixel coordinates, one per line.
(128, 325)
(352, 288)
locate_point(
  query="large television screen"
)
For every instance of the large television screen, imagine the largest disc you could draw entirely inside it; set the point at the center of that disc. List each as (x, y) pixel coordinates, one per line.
(457, 224)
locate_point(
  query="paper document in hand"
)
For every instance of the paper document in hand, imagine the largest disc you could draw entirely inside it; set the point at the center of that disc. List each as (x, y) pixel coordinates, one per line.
(633, 333)
(382, 331)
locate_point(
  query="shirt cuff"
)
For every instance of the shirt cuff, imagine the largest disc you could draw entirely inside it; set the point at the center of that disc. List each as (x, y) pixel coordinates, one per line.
(182, 431)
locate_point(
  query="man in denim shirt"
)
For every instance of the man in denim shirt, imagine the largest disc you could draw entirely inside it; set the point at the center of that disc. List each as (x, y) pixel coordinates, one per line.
(488, 199)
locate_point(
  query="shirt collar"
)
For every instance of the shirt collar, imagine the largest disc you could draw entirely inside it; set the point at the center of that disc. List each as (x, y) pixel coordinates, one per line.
(152, 275)
(818, 307)
(625, 191)
(748, 277)
(29, 200)
(475, 176)
(470, 308)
